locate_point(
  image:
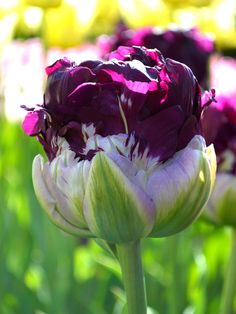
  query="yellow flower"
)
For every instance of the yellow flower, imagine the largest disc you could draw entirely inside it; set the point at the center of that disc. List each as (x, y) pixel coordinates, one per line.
(68, 24)
(138, 13)
(218, 19)
(105, 20)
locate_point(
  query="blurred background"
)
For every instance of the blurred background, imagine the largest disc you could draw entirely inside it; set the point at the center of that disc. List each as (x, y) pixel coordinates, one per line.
(42, 269)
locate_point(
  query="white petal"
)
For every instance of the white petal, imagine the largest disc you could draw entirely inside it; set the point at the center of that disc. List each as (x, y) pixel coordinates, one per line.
(41, 190)
(48, 202)
(181, 187)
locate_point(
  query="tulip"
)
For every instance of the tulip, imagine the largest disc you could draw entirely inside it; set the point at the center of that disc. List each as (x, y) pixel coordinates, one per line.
(119, 120)
(219, 126)
(126, 154)
(104, 19)
(218, 19)
(77, 17)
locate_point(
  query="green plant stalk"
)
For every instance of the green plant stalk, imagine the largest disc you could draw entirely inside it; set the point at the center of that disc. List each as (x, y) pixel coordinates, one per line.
(175, 298)
(229, 288)
(129, 255)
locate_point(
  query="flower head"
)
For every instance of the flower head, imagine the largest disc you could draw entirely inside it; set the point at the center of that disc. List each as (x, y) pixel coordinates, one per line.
(124, 143)
(133, 93)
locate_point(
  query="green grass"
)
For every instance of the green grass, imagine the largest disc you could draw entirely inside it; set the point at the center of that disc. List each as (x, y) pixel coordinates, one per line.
(44, 270)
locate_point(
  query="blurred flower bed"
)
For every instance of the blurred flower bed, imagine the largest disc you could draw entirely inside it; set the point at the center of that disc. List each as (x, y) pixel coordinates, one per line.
(42, 269)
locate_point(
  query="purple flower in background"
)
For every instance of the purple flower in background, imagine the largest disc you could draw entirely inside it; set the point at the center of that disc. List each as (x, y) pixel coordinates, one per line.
(220, 129)
(219, 126)
(187, 46)
(124, 143)
(219, 120)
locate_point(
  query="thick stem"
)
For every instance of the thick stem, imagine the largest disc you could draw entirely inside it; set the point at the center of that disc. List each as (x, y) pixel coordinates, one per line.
(129, 255)
(230, 280)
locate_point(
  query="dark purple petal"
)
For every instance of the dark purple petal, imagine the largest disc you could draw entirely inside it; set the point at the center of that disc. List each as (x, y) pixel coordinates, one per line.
(60, 64)
(212, 121)
(190, 128)
(121, 53)
(184, 89)
(34, 122)
(72, 132)
(82, 96)
(62, 83)
(47, 139)
(126, 72)
(162, 137)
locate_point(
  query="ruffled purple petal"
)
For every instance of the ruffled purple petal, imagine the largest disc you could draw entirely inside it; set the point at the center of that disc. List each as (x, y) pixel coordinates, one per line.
(188, 46)
(58, 65)
(34, 122)
(139, 92)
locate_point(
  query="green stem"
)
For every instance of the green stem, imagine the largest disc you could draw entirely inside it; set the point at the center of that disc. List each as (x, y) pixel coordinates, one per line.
(173, 250)
(230, 280)
(129, 255)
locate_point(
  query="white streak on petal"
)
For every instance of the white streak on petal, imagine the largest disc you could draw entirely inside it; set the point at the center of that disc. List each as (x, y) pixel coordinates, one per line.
(44, 196)
(65, 180)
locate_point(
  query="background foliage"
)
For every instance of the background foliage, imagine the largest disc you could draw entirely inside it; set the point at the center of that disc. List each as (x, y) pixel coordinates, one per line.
(44, 270)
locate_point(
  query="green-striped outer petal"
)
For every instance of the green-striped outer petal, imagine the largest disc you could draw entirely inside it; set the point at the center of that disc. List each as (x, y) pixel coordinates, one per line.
(181, 187)
(65, 179)
(49, 202)
(221, 207)
(116, 209)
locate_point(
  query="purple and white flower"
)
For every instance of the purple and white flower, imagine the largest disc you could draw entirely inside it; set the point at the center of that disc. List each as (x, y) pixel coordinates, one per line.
(124, 141)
